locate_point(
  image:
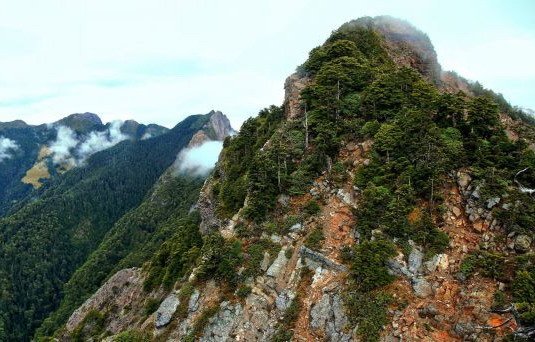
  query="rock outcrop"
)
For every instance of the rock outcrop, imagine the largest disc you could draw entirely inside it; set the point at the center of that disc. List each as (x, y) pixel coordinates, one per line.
(294, 84)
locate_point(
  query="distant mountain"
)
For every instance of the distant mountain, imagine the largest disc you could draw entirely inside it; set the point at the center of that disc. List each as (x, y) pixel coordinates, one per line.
(32, 156)
(98, 174)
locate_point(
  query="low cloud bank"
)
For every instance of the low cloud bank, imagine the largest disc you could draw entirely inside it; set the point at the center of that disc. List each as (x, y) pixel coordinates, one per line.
(69, 149)
(199, 160)
(7, 147)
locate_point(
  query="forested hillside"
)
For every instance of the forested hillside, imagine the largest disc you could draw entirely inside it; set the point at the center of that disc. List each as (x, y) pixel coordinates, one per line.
(385, 199)
(34, 155)
(47, 239)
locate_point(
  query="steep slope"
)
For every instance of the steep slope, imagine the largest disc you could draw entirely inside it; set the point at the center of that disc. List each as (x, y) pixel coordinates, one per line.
(139, 233)
(39, 153)
(46, 240)
(385, 200)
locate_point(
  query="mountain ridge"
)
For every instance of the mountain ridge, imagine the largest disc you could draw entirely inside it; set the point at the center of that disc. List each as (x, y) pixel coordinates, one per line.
(377, 203)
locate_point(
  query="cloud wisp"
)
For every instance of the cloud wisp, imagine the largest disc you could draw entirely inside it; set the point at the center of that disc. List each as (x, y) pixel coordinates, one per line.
(69, 149)
(7, 147)
(198, 160)
(98, 141)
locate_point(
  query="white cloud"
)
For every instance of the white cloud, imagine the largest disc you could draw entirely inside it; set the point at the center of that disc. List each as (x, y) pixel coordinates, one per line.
(7, 146)
(98, 141)
(70, 149)
(199, 160)
(62, 147)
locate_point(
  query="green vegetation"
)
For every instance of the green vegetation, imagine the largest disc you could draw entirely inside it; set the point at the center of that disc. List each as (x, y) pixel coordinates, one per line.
(132, 336)
(369, 312)
(201, 322)
(45, 241)
(285, 327)
(92, 326)
(315, 238)
(491, 265)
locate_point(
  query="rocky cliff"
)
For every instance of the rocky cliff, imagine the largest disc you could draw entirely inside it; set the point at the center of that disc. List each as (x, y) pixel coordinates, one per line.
(285, 249)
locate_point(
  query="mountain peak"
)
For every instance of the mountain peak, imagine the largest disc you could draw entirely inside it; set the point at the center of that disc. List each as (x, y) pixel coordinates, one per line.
(13, 124)
(81, 122)
(405, 44)
(220, 125)
(217, 128)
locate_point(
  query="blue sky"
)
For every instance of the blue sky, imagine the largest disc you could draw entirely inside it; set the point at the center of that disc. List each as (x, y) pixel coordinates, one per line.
(159, 61)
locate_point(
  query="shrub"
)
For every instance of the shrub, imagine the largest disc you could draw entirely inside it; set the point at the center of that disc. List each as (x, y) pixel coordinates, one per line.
(491, 265)
(312, 208)
(243, 291)
(132, 336)
(151, 305)
(315, 238)
(369, 312)
(368, 268)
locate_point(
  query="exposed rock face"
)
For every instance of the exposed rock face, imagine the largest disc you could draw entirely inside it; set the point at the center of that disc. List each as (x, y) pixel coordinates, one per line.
(220, 326)
(217, 128)
(292, 92)
(278, 264)
(220, 125)
(122, 288)
(206, 205)
(166, 310)
(319, 260)
(437, 304)
(328, 315)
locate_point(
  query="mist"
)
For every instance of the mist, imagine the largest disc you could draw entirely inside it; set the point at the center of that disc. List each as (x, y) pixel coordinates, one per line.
(199, 160)
(7, 147)
(70, 149)
(98, 141)
(62, 146)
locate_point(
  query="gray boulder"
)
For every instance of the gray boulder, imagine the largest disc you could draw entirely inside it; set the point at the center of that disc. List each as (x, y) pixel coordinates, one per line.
(166, 310)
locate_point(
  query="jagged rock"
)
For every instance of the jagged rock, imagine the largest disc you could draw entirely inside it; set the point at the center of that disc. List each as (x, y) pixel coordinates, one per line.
(284, 299)
(293, 86)
(476, 193)
(421, 287)
(221, 325)
(492, 202)
(456, 211)
(278, 264)
(522, 243)
(120, 289)
(275, 238)
(344, 196)
(415, 260)
(428, 311)
(265, 262)
(206, 205)
(328, 316)
(439, 261)
(296, 227)
(166, 310)
(320, 312)
(193, 304)
(308, 254)
(398, 266)
(463, 179)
